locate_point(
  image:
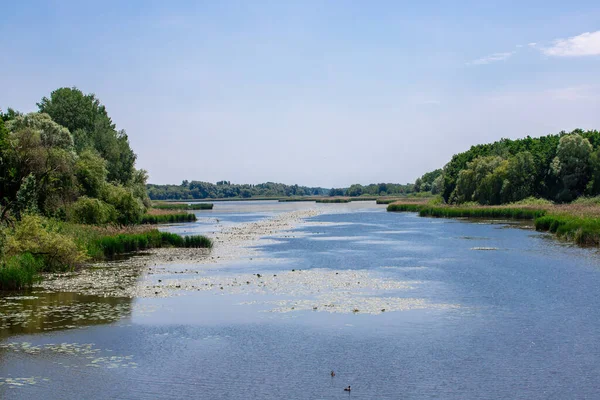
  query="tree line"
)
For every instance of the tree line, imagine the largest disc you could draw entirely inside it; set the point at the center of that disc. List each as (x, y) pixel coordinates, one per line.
(197, 190)
(560, 168)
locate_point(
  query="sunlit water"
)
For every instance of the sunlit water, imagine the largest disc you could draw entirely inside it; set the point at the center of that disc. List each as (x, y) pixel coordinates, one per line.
(503, 312)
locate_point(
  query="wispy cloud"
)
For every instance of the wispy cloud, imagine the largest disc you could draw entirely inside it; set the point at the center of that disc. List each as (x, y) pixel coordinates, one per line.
(492, 58)
(586, 44)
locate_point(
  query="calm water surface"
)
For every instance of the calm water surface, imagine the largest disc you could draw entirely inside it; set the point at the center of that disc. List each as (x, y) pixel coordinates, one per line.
(524, 322)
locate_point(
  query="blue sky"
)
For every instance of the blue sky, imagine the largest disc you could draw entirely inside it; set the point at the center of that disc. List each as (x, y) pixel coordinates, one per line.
(319, 93)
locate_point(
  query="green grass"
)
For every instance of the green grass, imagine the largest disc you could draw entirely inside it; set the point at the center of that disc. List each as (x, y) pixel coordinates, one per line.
(181, 206)
(585, 231)
(291, 199)
(386, 201)
(168, 218)
(405, 207)
(468, 212)
(109, 246)
(580, 229)
(334, 200)
(20, 272)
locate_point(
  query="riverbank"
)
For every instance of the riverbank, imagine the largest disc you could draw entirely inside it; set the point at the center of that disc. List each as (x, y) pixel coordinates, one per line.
(578, 223)
(38, 246)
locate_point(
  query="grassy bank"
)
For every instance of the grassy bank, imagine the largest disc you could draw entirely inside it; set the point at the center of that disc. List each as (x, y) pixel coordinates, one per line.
(585, 231)
(36, 245)
(168, 218)
(182, 206)
(578, 222)
(468, 212)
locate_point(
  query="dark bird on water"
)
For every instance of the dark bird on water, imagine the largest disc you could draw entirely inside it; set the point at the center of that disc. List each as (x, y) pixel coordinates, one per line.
(347, 389)
(332, 373)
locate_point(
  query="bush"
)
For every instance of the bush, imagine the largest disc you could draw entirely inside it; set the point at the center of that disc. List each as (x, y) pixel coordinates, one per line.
(42, 238)
(129, 208)
(92, 211)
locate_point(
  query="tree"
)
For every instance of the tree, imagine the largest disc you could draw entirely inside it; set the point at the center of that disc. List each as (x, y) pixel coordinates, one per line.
(572, 165)
(87, 118)
(90, 170)
(51, 133)
(38, 146)
(354, 190)
(479, 181)
(520, 178)
(437, 186)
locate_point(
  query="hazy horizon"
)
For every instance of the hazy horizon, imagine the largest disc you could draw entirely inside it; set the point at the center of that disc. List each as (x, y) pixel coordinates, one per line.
(320, 94)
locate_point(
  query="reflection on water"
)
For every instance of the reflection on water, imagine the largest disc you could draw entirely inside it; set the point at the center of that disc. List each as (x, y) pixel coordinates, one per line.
(41, 311)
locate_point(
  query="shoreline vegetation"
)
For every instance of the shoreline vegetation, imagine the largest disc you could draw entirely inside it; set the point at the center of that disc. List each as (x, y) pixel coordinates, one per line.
(168, 218)
(70, 192)
(577, 222)
(182, 206)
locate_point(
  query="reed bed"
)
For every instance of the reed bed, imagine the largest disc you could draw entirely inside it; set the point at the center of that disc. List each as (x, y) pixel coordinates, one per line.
(425, 210)
(168, 218)
(110, 246)
(294, 199)
(585, 231)
(333, 200)
(183, 206)
(575, 222)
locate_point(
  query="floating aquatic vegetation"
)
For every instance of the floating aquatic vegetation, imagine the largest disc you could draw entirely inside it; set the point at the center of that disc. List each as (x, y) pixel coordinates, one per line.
(19, 298)
(125, 278)
(112, 362)
(16, 382)
(60, 348)
(346, 303)
(77, 353)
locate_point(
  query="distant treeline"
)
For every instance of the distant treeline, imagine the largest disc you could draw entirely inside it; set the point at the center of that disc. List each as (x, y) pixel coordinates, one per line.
(224, 189)
(559, 168)
(196, 190)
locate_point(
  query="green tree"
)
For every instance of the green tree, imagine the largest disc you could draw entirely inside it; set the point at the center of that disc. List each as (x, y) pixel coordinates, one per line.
(354, 190)
(51, 133)
(437, 186)
(520, 178)
(86, 117)
(91, 173)
(572, 165)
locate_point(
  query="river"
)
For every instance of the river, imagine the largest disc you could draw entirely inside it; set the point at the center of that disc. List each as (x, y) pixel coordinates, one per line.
(400, 307)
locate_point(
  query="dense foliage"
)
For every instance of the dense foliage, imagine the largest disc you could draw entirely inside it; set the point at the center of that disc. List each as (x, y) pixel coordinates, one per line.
(68, 161)
(558, 167)
(376, 189)
(66, 174)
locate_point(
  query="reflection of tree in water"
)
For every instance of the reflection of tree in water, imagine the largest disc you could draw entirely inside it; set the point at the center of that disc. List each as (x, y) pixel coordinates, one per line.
(42, 312)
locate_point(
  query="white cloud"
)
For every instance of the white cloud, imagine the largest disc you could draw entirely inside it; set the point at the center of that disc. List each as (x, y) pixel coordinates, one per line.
(532, 44)
(492, 58)
(586, 44)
